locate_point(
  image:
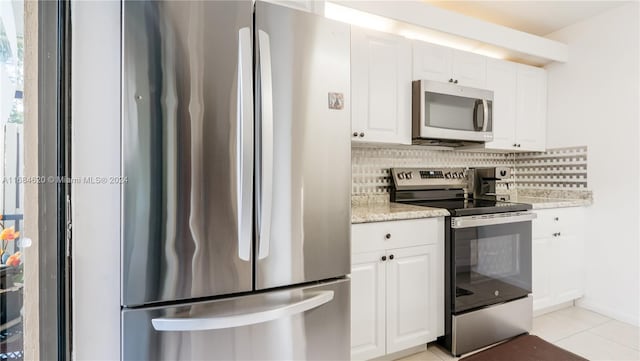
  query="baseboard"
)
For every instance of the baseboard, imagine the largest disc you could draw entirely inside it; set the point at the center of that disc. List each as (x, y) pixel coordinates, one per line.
(401, 354)
(549, 309)
(610, 312)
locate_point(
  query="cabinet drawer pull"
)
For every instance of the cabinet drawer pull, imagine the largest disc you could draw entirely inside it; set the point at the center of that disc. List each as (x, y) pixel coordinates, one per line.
(361, 135)
(391, 256)
(387, 236)
(355, 134)
(384, 258)
(556, 219)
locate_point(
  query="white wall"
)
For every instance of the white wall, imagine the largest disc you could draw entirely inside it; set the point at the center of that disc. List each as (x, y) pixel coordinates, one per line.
(95, 147)
(593, 100)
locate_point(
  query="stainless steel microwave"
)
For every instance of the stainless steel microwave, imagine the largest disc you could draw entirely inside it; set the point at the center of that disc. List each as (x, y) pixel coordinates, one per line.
(450, 114)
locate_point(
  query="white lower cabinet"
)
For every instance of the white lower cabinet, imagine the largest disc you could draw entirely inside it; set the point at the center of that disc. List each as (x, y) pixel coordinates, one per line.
(412, 297)
(558, 257)
(397, 294)
(368, 306)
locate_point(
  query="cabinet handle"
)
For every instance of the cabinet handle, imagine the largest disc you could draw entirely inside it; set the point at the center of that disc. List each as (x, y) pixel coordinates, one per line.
(355, 134)
(450, 80)
(384, 258)
(559, 234)
(556, 219)
(519, 145)
(361, 135)
(391, 256)
(455, 81)
(387, 236)
(515, 145)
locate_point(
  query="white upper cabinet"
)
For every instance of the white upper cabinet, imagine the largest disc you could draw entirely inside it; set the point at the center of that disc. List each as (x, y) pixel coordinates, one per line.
(531, 108)
(519, 106)
(439, 63)
(312, 6)
(501, 78)
(380, 87)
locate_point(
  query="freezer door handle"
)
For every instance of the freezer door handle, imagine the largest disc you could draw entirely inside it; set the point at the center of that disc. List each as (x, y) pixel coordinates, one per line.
(239, 318)
(266, 111)
(244, 149)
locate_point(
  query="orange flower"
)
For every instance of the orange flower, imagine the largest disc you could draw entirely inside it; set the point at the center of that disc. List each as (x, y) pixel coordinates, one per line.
(9, 234)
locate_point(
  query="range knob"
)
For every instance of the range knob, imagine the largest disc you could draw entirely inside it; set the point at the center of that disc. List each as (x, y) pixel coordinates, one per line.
(460, 175)
(447, 175)
(401, 175)
(408, 175)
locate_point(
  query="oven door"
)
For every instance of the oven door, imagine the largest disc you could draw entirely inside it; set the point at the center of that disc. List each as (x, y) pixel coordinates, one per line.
(491, 259)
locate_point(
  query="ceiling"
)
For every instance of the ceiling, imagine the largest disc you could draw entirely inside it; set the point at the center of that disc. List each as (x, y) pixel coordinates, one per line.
(534, 17)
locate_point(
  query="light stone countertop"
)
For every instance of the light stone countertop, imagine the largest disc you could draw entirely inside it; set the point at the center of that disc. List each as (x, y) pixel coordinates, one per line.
(544, 199)
(377, 208)
(545, 203)
(391, 211)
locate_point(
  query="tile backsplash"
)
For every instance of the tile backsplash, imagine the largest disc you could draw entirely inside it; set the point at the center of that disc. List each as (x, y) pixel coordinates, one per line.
(555, 169)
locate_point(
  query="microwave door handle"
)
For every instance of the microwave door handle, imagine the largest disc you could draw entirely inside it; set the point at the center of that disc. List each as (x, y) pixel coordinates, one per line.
(477, 126)
(485, 119)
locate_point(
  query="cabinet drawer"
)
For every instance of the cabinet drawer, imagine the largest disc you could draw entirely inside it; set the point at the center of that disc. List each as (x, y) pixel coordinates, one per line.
(566, 221)
(368, 237)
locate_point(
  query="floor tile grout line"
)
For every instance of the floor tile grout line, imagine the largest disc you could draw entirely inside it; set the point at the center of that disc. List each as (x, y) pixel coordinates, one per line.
(617, 343)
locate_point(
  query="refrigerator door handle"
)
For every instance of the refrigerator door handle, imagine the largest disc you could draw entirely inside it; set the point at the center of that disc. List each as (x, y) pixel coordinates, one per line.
(266, 101)
(245, 143)
(253, 316)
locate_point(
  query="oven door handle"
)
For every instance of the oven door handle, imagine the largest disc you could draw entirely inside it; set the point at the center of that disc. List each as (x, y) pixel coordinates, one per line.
(489, 220)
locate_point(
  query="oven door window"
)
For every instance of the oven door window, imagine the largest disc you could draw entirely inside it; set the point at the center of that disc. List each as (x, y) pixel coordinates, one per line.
(492, 264)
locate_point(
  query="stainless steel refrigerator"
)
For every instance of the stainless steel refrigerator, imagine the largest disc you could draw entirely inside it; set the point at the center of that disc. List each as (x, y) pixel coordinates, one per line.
(236, 210)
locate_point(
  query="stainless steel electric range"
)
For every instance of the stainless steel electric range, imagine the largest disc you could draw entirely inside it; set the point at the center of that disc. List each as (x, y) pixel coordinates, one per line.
(487, 255)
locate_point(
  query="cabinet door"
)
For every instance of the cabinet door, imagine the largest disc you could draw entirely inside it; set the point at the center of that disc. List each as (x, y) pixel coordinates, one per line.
(469, 69)
(568, 281)
(543, 269)
(312, 6)
(531, 108)
(367, 305)
(412, 290)
(432, 62)
(380, 87)
(501, 79)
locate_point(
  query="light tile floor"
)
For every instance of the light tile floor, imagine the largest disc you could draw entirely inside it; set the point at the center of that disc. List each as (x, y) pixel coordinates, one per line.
(586, 333)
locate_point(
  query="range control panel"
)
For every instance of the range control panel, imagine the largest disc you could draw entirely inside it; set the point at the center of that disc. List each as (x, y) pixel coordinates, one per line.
(429, 178)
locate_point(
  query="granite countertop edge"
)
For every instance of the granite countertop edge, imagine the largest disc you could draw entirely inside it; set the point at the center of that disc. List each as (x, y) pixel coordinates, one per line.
(391, 211)
(542, 203)
(381, 212)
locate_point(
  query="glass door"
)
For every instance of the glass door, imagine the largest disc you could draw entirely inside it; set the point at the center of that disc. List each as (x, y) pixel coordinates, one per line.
(12, 238)
(33, 161)
(492, 264)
